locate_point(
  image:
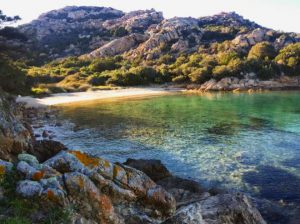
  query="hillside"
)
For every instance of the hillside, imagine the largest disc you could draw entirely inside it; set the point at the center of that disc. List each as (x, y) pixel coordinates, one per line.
(110, 47)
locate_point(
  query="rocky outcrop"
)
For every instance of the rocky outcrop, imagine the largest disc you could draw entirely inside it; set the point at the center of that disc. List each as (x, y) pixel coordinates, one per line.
(195, 204)
(102, 192)
(118, 46)
(45, 149)
(168, 33)
(219, 209)
(101, 32)
(262, 34)
(78, 30)
(136, 21)
(250, 82)
(15, 137)
(153, 168)
(228, 19)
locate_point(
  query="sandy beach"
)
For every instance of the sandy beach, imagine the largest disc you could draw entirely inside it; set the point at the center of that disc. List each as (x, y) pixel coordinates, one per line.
(64, 98)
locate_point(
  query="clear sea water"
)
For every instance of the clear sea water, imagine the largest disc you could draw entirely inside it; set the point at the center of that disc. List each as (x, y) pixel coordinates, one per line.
(245, 142)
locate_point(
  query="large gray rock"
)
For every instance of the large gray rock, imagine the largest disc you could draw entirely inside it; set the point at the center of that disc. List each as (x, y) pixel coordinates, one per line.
(118, 46)
(15, 138)
(220, 209)
(101, 191)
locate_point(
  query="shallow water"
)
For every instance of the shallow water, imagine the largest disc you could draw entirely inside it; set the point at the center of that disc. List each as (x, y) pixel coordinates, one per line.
(245, 142)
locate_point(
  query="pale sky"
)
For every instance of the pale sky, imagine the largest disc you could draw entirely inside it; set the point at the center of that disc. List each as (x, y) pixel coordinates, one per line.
(277, 14)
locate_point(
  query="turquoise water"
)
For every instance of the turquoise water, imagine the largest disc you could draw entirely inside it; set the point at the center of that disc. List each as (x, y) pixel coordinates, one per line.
(245, 142)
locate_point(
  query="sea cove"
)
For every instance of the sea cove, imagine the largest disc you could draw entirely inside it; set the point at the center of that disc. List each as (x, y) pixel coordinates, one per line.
(245, 142)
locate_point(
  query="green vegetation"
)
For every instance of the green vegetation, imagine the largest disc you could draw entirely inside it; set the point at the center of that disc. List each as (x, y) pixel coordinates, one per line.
(262, 50)
(16, 210)
(216, 58)
(289, 59)
(216, 61)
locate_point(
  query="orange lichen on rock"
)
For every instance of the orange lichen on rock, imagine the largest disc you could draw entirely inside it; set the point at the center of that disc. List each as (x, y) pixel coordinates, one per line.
(86, 159)
(37, 175)
(2, 170)
(81, 182)
(105, 204)
(51, 196)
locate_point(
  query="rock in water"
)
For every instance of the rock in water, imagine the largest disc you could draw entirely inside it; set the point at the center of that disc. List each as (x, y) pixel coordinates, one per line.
(220, 209)
(45, 149)
(153, 168)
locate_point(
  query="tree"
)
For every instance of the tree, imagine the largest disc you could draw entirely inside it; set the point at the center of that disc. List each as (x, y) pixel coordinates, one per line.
(289, 59)
(4, 19)
(262, 50)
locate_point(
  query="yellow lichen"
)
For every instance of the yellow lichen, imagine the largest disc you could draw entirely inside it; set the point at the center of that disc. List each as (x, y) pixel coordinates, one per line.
(106, 164)
(86, 159)
(80, 182)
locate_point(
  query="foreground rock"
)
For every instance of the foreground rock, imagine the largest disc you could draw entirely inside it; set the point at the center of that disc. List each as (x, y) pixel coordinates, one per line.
(45, 149)
(15, 136)
(194, 204)
(222, 209)
(102, 192)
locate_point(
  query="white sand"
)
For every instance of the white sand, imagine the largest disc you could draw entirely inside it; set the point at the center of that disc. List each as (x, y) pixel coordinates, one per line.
(63, 98)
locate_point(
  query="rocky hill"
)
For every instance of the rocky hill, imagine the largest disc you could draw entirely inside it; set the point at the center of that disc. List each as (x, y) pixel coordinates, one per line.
(77, 48)
(100, 31)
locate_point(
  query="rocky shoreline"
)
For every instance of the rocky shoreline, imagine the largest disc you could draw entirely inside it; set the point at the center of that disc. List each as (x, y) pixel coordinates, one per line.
(250, 83)
(138, 191)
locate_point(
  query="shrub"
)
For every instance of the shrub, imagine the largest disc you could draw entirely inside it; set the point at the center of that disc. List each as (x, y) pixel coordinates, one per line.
(221, 71)
(224, 58)
(103, 64)
(119, 32)
(98, 79)
(12, 77)
(124, 78)
(180, 79)
(200, 75)
(289, 59)
(262, 50)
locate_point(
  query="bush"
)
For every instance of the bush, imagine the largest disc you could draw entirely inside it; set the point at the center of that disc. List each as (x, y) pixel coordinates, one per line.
(147, 74)
(180, 79)
(289, 59)
(12, 77)
(200, 75)
(124, 78)
(262, 50)
(119, 32)
(221, 71)
(103, 64)
(98, 79)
